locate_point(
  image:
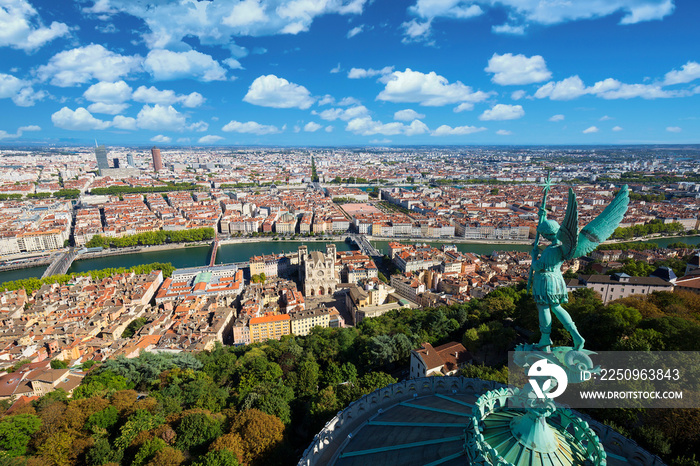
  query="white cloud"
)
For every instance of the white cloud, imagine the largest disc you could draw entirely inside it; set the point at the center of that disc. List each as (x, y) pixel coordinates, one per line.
(161, 139)
(183, 140)
(415, 31)
(165, 65)
(508, 29)
(355, 31)
(617, 128)
(22, 28)
(688, 72)
(328, 129)
(446, 130)
(605, 118)
(78, 120)
(232, 63)
(152, 95)
(160, 117)
(673, 129)
(446, 8)
(109, 109)
(199, 126)
(509, 69)
(311, 126)
(271, 91)
(555, 12)
(504, 132)
(427, 89)
(365, 126)
(344, 114)
(358, 73)
(503, 112)
(209, 139)
(20, 131)
(567, 89)
(167, 23)
(463, 107)
(614, 89)
(592, 129)
(123, 122)
(108, 92)
(83, 64)
(517, 95)
(250, 127)
(19, 90)
(336, 69)
(558, 117)
(408, 115)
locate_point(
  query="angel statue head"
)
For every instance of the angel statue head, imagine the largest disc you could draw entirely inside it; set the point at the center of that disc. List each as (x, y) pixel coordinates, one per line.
(548, 229)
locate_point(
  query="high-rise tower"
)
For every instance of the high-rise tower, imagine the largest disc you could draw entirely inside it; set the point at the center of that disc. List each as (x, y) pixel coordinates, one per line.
(157, 161)
(101, 156)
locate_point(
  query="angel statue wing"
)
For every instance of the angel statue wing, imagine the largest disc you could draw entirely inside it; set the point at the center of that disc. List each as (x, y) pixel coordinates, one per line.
(580, 244)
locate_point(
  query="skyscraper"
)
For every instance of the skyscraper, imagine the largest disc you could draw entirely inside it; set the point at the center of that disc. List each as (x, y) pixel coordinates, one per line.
(157, 161)
(101, 156)
(130, 160)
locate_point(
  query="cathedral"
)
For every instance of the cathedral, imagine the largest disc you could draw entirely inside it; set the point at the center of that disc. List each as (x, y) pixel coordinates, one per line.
(317, 271)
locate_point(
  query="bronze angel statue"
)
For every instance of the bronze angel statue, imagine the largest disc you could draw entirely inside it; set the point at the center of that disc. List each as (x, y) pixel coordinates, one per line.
(566, 242)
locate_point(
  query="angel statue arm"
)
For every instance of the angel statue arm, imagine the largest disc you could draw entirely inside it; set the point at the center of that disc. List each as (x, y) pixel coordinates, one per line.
(566, 242)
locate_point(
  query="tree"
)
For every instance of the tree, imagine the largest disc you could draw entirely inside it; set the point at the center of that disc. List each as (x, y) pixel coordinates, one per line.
(16, 431)
(218, 458)
(168, 456)
(197, 429)
(260, 432)
(58, 364)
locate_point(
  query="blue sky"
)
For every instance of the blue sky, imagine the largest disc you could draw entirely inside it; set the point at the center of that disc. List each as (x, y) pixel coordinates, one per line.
(350, 72)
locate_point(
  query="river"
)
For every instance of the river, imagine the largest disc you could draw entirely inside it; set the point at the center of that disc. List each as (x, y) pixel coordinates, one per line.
(241, 252)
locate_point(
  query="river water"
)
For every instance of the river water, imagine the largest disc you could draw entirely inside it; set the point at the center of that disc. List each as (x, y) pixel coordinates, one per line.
(241, 252)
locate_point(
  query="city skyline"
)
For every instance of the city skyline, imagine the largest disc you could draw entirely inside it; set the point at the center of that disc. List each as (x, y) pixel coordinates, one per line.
(258, 72)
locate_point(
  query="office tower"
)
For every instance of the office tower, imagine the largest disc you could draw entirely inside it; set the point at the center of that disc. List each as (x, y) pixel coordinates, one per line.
(115, 161)
(130, 160)
(157, 161)
(101, 156)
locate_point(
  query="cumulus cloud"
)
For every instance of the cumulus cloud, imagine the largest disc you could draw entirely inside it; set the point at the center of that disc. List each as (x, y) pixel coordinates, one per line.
(159, 117)
(567, 89)
(108, 92)
(674, 129)
(446, 130)
(20, 91)
(109, 109)
(161, 139)
(408, 115)
(366, 126)
(688, 72)
(250, 127)
(152, 95)
(605, 118)
(22, 28)
(209, 139)
(218, 23)
(515, 30)
(509, 69)
(19, 132)
(617, 128)
(83, 64)
(428, 89)
(328, 129)
(504, 132)
(358, 73)
(558, 117)
(503, 112)
(311, 126)
(344, 114)
(165, 65)
(122, 122)
(592, 129)
(336, 69)
(517, 95)
(77, 120)
(463, 107)
(271, 91)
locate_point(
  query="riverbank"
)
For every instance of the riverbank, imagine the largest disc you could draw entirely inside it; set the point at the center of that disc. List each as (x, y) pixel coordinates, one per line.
(139, 249)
